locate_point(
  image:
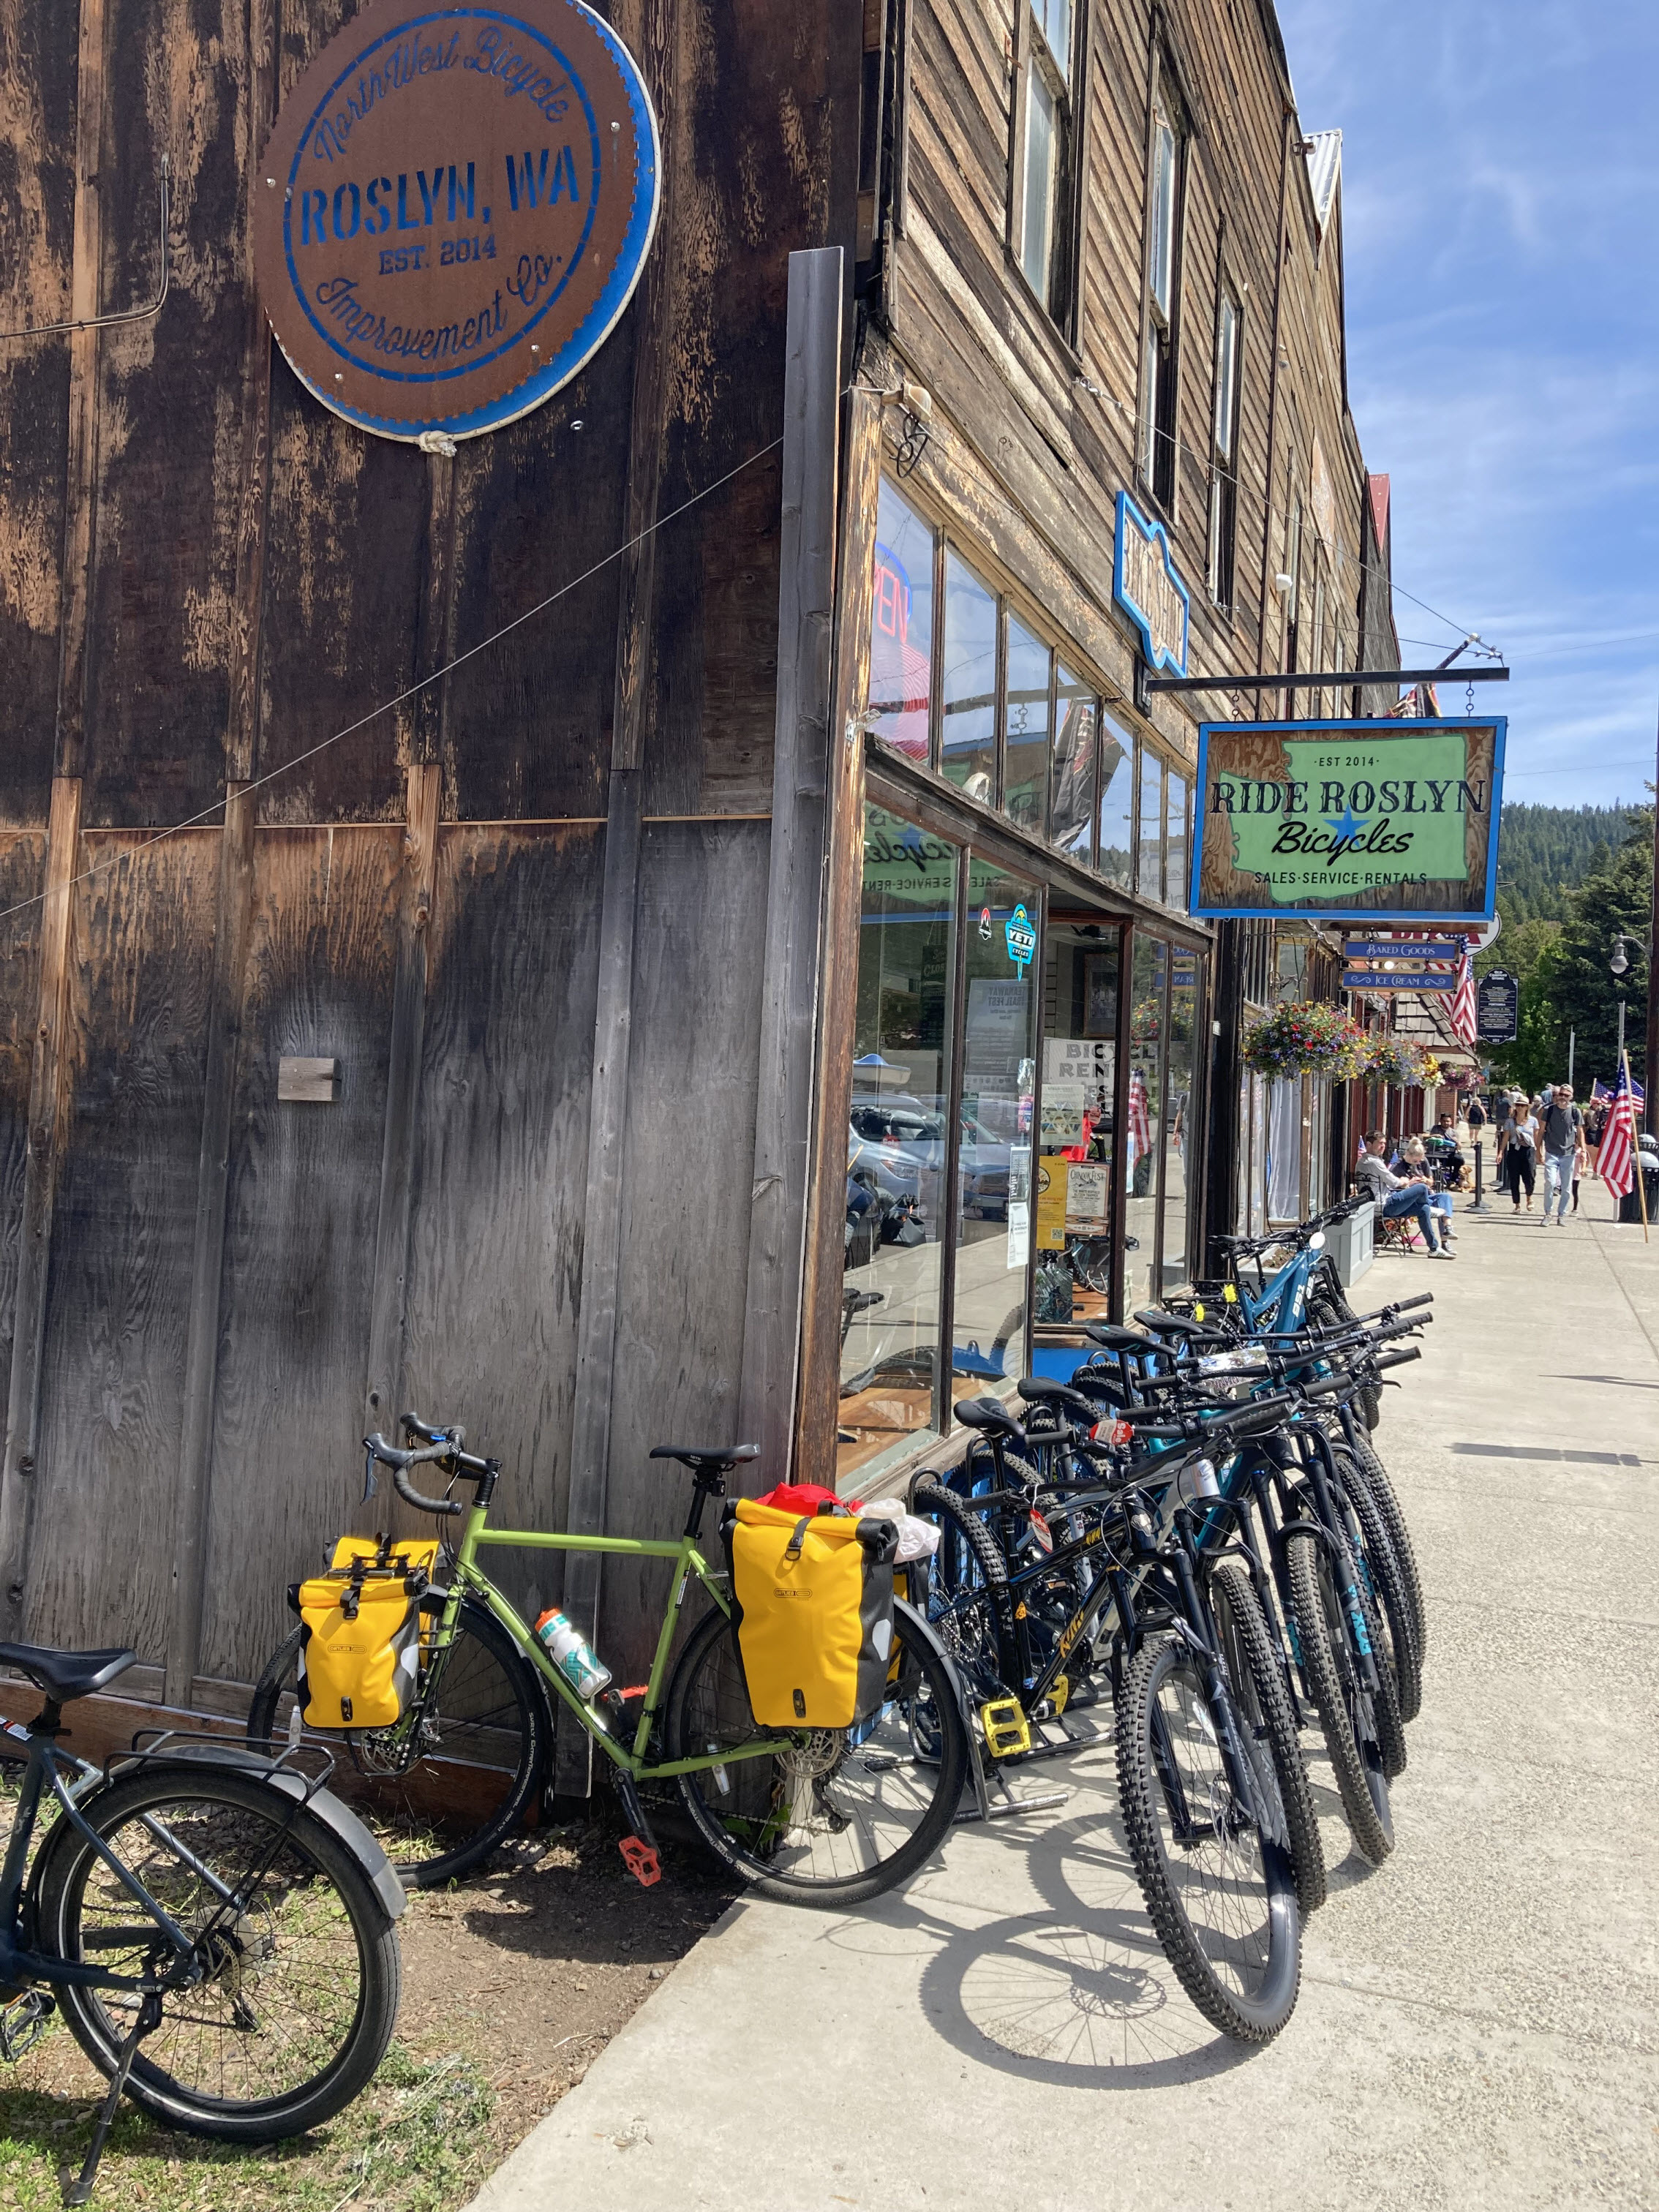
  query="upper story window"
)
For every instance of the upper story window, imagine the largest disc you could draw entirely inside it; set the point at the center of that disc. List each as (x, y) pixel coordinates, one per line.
(1224, 451)
(1159, 371)
(1045, 244)
(901, 625)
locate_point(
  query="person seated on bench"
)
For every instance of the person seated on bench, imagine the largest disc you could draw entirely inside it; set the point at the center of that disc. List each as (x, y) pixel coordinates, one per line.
(1415, 1164)
(1397, 1197)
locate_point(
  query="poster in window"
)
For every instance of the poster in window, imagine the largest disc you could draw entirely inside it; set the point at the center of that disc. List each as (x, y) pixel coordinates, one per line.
(1062, 1114)
(1051, 1202)
(1087, 1199)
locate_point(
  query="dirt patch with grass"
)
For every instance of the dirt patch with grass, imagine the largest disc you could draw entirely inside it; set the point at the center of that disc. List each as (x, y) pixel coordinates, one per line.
(513, 1985)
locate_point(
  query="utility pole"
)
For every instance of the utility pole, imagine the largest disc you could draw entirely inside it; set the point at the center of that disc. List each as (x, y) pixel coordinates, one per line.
(1572, 1040)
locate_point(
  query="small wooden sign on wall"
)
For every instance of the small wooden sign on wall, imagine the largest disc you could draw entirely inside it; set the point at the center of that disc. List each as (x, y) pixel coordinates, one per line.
(310, 1082)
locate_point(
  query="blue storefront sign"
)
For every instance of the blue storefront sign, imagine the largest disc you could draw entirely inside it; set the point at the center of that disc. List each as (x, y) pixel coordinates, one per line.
(1149, 587)
(1022, 939)
(453, 210)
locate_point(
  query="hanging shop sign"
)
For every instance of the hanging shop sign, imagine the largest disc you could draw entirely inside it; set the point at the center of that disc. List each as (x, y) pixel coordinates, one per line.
(1496, 1007)
(453, 210)
(1149, 587)
(1348, 821)
(1021, 938)
(1418, 963)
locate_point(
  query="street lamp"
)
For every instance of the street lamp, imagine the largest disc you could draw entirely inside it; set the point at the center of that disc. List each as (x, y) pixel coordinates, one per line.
(1618, 966)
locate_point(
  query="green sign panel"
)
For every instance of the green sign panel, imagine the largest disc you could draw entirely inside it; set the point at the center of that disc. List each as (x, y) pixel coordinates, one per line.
(1348, 821)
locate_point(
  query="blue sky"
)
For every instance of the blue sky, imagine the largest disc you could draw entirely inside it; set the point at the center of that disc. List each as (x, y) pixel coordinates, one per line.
(1500, 176)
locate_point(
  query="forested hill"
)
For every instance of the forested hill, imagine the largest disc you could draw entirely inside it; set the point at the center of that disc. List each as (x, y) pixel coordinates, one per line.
(1544, 852)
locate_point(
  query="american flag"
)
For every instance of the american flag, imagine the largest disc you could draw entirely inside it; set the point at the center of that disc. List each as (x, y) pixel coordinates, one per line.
(1602, 1097)
(1617, 1142)
(1140, 1121)
(1463, 1001)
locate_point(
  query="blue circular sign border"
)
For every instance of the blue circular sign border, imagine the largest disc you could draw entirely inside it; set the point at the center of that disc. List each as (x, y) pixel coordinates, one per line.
(601, 317)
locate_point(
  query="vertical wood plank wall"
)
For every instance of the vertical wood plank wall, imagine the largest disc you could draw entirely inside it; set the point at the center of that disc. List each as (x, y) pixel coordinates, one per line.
(206, 1294)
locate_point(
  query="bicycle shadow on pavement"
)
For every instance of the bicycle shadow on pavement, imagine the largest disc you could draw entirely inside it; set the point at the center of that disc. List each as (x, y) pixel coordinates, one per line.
(1076, 1993)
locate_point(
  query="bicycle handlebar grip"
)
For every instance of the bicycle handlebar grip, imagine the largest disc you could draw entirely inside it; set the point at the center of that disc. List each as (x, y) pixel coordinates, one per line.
(450, 1507)
(413, 1426)
(1399, 1358)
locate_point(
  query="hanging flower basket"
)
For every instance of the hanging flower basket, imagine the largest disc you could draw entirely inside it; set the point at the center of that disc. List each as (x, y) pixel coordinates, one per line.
(1145, 1019)
(1397, 1060)
(1309, 1038)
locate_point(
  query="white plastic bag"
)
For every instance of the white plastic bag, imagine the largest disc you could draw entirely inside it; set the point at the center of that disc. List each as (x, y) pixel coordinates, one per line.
(917, 1538)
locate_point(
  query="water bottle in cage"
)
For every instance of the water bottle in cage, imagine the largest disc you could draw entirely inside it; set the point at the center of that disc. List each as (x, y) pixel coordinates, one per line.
(571, 1653)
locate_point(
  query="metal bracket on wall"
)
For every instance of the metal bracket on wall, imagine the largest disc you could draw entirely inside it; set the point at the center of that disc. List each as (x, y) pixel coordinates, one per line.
(126, 314)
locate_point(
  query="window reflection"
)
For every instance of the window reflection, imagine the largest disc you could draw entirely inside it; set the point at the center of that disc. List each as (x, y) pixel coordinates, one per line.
(1141, 1137)
(1075, 1135)
(901, 625)
(1179, 1148)
(969, 742)
(1025, 760)
(1174, 843)
(895, 1152)
(1149, 872)
(1117, 768)
(1073, 797)
(999, 1070)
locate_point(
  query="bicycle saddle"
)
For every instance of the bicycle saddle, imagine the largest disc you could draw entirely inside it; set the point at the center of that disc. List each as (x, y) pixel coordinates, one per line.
(987, 1414)
(705, 1458)
(65, 1675)
(1110, 1338)
(1178, 1325)
(1042, 1389)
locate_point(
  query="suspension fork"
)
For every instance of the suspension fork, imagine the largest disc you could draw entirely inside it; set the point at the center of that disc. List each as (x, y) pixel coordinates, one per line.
(1322, 1471)
(1201, 1637)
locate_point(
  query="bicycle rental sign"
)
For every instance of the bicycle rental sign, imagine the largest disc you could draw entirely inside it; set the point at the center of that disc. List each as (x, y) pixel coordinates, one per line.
(1353, 820)
(452, 211)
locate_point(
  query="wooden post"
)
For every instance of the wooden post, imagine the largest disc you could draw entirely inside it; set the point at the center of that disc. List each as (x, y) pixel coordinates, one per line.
(424, 785)
(820, 1361)
(48, 1087)
(601, 1226)
(193, 1489)
(783, 1109)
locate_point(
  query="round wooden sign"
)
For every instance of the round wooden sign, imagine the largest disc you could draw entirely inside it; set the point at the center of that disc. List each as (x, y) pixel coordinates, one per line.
(453, 209)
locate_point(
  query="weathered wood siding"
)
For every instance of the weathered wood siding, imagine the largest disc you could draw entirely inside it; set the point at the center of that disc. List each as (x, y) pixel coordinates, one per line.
(204, 577)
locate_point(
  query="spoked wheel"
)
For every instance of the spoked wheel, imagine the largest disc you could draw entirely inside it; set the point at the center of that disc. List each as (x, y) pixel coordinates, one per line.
(1346, 1713)
(1388, 1505)
(299, 1960)
(1222, 1896)
(447, 1787)
(1395, 1619)
(826, 1817)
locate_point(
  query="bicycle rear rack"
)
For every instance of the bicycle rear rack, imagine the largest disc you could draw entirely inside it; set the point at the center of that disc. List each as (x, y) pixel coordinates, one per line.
(183, 1744)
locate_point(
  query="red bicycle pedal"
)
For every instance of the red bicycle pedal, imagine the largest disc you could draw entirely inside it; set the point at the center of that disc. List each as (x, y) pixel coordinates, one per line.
(640, 1861)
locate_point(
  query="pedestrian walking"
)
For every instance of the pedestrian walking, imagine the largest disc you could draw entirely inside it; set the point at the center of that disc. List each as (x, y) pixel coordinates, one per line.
(1563, 1127)
(1518, 1151)
(1398, 1197)
(1596, 1115)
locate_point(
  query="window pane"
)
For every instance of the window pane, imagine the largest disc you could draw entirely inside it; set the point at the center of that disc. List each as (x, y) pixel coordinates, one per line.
(1161, 258)
(1178, 1148)
(1149, 872)
(902, 625)
(896, 1158)
(999, 1066)
(1055, 21)
(1149, 378)
(1074, 764)
(1072, 1224)
(1174, 843)
(1117, 799)
(1025, 760)
(1226, 375)
(969, 748)
(1035, 254)
(1141, 1137)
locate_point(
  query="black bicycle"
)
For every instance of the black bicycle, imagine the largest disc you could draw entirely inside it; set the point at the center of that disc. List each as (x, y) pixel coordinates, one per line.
(217, 1927)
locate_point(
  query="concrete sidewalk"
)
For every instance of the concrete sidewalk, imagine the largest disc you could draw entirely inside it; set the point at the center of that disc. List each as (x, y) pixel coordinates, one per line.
(1478, 2021)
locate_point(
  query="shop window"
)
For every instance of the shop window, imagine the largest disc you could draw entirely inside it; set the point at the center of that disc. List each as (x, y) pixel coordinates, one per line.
(1116, 853)
(901, 625)
(1143, 1136)
(1025, 730)
(1223, 452)
(896, 1154)
(967, 752)
(1179, 1135)
(1077, 719)
(1074, 1193)
(1160, 368)
(993, 1174)
(1175, 802)
(1044, 242)
(1148, 867)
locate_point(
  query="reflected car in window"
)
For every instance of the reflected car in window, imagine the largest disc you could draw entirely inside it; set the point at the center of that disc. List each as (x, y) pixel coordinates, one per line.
(904, 1140)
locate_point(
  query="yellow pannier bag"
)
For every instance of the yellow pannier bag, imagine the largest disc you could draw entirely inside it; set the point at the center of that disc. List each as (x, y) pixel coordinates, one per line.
(360, 1656)
(815, 1613)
